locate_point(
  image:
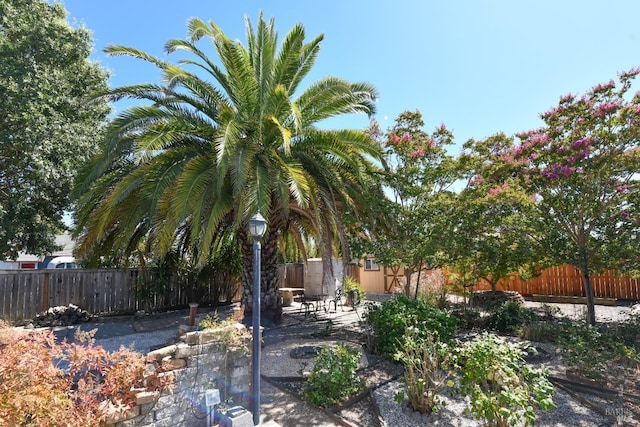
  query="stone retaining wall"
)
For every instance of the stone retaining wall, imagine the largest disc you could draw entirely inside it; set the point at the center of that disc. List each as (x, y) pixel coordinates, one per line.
(201, 361)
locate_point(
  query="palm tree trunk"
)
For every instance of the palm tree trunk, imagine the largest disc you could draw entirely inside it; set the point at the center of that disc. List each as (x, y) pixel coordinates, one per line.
(270, 301)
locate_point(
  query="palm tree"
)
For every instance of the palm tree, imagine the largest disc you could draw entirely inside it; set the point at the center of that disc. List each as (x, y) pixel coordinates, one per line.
(219, 140)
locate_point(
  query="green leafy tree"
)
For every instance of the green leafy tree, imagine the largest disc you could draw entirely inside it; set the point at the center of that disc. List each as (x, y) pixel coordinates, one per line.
(492, 235)
(418, 173)
(47, 129)
(221, 139)
(582, 167)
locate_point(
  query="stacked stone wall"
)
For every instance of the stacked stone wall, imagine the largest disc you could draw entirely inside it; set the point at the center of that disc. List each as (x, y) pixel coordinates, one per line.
(201, 361)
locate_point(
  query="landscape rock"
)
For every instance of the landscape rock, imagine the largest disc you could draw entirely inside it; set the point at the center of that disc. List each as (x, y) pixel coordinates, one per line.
(61, 316)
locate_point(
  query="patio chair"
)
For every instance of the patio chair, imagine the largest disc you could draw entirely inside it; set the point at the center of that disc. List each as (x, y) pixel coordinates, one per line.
(337, 299)
(309, 307)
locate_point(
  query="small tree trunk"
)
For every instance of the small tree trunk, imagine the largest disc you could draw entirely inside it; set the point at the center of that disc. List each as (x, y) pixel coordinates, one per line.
(418, 284)
(407, 288)
(588, 288)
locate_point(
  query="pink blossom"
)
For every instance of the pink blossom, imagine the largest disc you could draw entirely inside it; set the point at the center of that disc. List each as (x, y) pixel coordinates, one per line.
(567, 171)
(622, 188)
(606, 108)
(442, 127)
(567, 98)
(498, 189)
(604, 86)
(631, 73)
(518, 150)
(538, 138)
(406, 136)
(553, 110)
(396, 139)
(418, 153)
(534, 156)
(581, 142)
(624, 214)
(556, 170)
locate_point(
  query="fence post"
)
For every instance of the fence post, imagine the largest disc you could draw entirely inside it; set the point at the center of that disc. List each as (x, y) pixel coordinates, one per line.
(45, 292)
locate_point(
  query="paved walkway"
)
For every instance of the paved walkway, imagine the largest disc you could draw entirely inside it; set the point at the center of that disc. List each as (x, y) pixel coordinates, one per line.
(282, 407)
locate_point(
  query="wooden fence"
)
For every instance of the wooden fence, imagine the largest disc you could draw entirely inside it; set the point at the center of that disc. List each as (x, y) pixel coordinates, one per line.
(567, 281)
(291, 275)
(25, 293)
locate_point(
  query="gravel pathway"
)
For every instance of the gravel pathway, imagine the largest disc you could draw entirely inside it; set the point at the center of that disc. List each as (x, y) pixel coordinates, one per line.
(568, 414)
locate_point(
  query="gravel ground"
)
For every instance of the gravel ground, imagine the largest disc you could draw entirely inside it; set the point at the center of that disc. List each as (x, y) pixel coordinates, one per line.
(568, 414)
(140, 342)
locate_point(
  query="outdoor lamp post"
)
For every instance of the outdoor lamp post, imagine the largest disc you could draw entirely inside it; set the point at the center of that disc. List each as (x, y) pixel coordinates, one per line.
(257, 228)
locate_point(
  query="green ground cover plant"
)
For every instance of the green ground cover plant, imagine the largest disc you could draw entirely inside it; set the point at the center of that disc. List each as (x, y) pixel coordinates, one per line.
(390, 319)
(590, 350)
(333, 378)
(509, 316)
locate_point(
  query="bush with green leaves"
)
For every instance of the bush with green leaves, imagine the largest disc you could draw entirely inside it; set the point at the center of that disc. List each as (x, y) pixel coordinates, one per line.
(353, 291)
(509, 316)
(225, 331)
(428, 369)
(504, 390)
(390, 319)
(333, 378)
(591, 349)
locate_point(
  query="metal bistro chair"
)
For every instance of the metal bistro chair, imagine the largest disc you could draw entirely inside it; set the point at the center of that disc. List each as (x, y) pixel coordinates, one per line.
(337, 299)
(309, 307)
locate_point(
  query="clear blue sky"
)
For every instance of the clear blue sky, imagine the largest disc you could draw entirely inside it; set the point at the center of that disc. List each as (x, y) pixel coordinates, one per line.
(478, 66)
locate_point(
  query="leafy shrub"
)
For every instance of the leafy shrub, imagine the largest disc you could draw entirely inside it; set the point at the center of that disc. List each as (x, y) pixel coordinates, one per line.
(428, 368)
(226, 331)
(390, 319)
(37, 392)
(468, 318)
(549, 311)
(626, 331)
(509, 316)
(350, 285)
(333, 378)
(504, 390)
(590, 349)
(542, 331)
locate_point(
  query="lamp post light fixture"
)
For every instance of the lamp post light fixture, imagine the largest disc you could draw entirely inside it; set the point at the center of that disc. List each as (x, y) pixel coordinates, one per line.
(257, 228)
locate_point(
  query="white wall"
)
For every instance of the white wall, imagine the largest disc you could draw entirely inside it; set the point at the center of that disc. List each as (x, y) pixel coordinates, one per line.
(313, 277)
